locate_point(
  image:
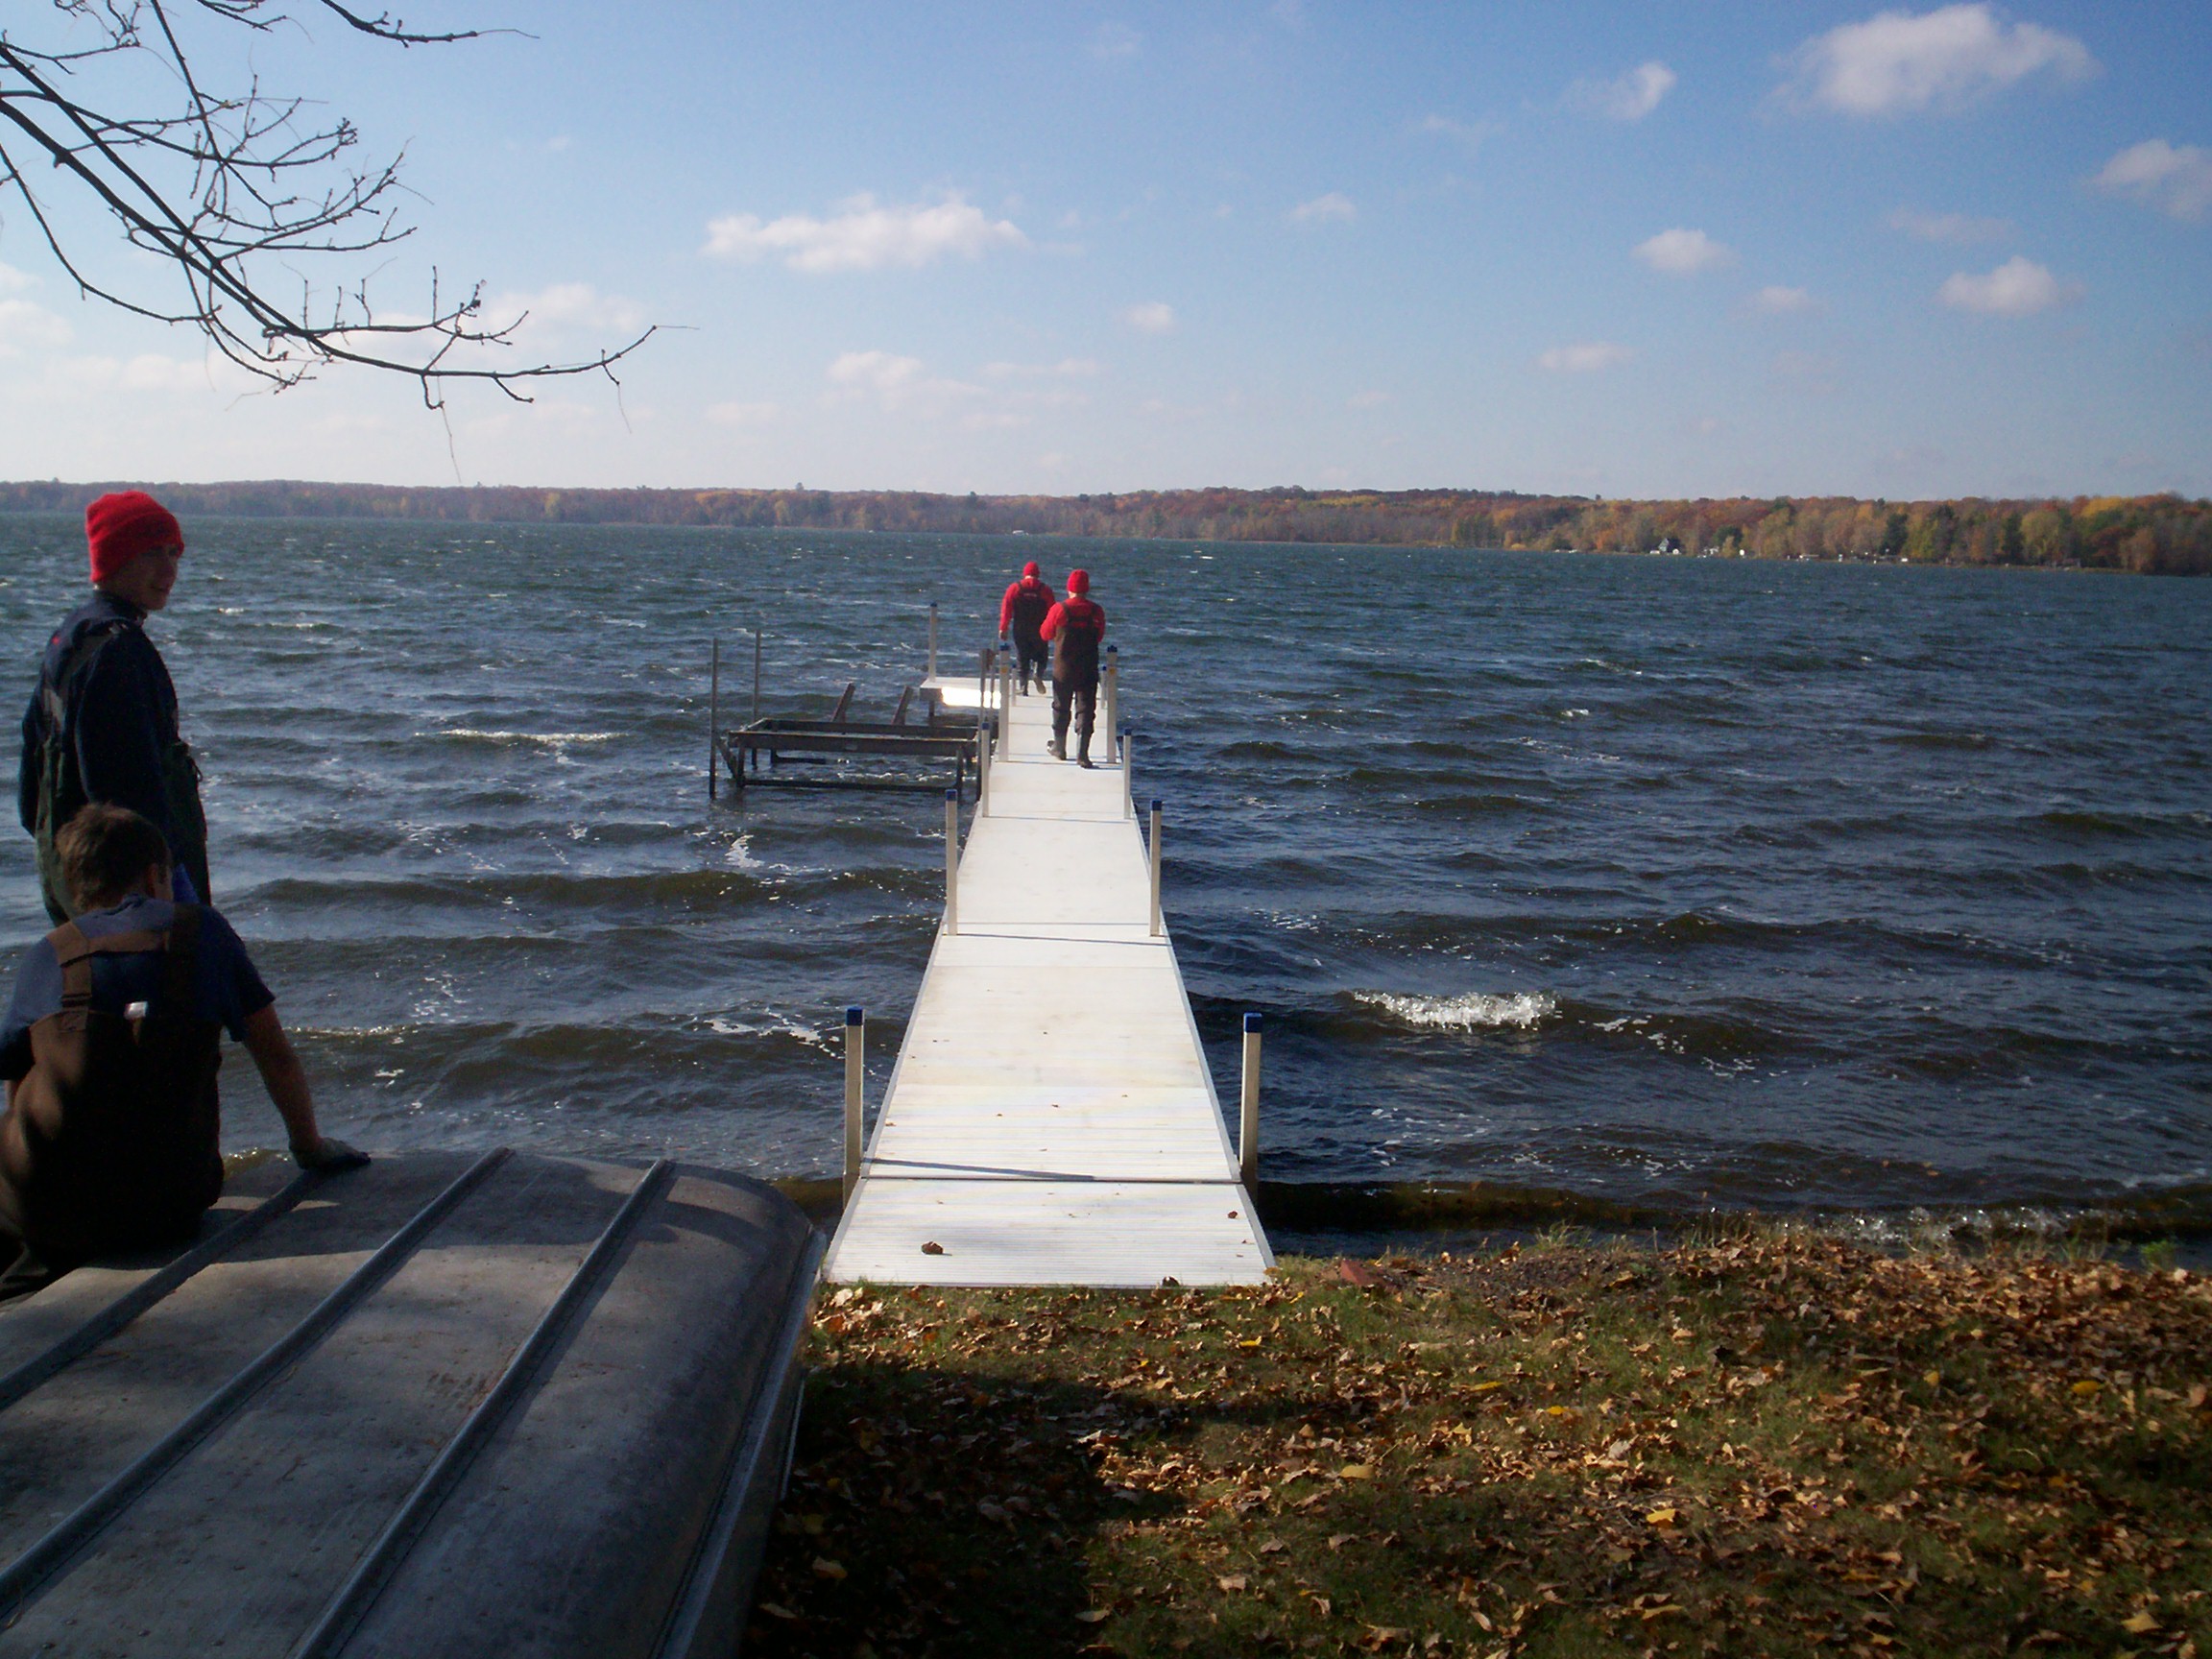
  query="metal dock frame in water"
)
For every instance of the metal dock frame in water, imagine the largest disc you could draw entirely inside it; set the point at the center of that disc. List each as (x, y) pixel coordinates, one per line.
(787, 740)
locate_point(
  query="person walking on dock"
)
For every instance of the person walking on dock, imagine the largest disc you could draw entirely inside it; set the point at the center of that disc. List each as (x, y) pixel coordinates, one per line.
(1020, 615)
(1079, 627)
(112, 1137)
(101, 724)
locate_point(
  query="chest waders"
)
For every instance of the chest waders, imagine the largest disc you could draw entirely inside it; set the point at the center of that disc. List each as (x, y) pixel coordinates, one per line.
(114, 1138)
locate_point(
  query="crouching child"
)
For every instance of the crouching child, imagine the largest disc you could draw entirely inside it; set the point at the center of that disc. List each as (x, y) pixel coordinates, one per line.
(111, 1140)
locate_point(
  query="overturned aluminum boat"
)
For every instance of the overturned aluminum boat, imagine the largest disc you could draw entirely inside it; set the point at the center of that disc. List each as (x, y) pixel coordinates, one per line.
(448, 1404)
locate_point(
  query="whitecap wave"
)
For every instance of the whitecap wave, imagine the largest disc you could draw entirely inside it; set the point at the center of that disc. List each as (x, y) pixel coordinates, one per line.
(550, 739)
(1476, 1011)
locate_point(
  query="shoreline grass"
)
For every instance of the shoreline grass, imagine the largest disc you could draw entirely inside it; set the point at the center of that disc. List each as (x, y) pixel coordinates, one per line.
(1762, 1444)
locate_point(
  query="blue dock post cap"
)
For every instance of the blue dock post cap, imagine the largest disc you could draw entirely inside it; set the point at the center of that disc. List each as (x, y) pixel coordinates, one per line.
(951, 794)
(1251, 1021)
(1156, 804)
(852, 1014)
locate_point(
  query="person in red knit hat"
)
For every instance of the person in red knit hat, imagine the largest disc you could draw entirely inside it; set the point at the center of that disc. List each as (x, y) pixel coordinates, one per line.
(1078, 623)
(1021, 613)
(102, 726)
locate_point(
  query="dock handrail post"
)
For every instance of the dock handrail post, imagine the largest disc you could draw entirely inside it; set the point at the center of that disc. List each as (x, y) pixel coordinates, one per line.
(986, 665)
(1113, 691)
(715, 720)
(1005, 691)
(1159, 925)
(1248, 1115)
(932, 639)
(856, 1075)
(1128, 780)
(952, 860)
(755, 676)
(982, 774)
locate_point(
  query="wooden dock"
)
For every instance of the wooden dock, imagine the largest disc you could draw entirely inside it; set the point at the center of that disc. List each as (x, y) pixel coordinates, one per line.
(1051, 1119)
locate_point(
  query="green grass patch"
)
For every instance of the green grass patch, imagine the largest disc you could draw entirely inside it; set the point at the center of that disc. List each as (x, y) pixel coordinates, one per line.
(1754, 1446)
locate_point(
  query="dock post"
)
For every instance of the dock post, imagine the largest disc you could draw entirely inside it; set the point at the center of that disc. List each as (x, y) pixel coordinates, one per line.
(952, 860)
(932, 674)
(985, 666)
(1113, 691)
(755, 676)
(1128, 782)
(1006, 692)
(982, 774)
(1159, 925)
(1248, 1115)
(855, 1076)
(715, 720)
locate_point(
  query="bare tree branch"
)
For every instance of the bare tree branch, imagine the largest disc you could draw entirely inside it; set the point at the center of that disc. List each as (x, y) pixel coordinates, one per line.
(236, 190)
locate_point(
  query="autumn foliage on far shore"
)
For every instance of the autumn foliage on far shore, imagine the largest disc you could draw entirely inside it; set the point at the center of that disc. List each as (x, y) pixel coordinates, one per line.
(2162, 535)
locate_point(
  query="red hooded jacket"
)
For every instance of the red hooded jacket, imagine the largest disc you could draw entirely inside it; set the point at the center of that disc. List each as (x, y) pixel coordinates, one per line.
(1024, 606)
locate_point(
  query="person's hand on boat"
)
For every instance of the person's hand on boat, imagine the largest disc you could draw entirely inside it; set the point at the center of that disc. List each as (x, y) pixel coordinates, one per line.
(328, 1155)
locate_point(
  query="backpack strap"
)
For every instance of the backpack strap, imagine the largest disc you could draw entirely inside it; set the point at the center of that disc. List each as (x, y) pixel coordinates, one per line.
(74, 952)
(88, 645)
(179, 983)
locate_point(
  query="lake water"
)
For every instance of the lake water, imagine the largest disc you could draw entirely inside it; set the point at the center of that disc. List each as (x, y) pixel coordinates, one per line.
(1662, 882)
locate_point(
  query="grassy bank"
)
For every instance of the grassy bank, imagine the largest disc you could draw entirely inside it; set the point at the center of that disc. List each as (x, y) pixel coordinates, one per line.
(1766, 1445)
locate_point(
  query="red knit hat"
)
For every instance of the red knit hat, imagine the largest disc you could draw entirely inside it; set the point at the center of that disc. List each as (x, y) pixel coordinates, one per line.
(1030, 568)
(119, 527)
(1079, 581)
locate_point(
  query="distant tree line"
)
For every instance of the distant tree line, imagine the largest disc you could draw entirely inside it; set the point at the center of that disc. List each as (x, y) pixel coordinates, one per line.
(2165, 535)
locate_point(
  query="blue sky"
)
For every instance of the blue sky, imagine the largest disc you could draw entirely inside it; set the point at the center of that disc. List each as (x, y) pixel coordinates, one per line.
(1622, 249)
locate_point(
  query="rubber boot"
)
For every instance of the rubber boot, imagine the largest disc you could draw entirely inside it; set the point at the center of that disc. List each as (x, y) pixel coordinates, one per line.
(1083, 753)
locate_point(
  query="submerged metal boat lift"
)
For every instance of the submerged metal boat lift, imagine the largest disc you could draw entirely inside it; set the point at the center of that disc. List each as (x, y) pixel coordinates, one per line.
(755, 754)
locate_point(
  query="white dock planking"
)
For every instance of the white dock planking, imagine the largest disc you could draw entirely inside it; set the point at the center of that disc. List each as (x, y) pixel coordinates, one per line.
(1051, 1119)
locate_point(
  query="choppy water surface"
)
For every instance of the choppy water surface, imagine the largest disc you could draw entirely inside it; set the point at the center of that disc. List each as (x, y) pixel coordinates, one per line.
(1668, 883)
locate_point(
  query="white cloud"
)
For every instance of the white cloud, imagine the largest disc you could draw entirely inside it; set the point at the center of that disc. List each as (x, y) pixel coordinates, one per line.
(1629, 97)
(1333, 208)
(2017, 288)
(1066, 369)
(1155, 316)
(742, 414)
(567, 308)
(1897, 62)
(1775, 301)
(1114, 41)
(1956, 228)
(1588, 357)
(900, 385)
(2175, 178)
(1684, 253)
(25, 324)
(864, 236)
(14, 281)
(1367, 399)
(1471, 133)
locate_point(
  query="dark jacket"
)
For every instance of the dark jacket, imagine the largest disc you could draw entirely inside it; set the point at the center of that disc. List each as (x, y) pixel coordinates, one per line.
(1079, 626)
(102, 726)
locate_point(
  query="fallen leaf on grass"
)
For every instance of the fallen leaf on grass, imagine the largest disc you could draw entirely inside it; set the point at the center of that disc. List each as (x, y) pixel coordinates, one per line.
(1663, 1516)
(1356, 1471)
(1486, 1387)
(2141, 1624)
(1272, 1547)
(1094, 1615)
(991, 1510)
(2088, 1386)
(775, 1610)
(825, 1568)
(1231, 1583)
(1337, 1540)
